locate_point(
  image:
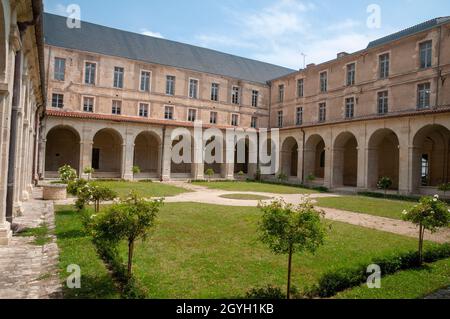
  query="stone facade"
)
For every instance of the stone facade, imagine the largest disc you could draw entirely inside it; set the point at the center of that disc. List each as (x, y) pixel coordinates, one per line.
(21, 104)
(378, 112)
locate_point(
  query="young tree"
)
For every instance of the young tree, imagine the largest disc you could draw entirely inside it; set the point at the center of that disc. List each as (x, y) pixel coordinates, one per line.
(282, 177)
(430, 214)
(444, 188)
(67, 174)
(93, 194)
(210, 173)
(384, 183)
(89, 171)
(241, 175)
(130, 220)
(288, 229)
(136, 170)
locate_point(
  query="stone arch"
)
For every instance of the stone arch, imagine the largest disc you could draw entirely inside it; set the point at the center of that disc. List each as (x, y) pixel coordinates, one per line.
(431, 156)
(107, 153)
(147, 145)
(383, 144)
(3, 37)
(183, 170)
(315, 155)
(241, 163)
(345, 160)
(289, 157)
(62, 148)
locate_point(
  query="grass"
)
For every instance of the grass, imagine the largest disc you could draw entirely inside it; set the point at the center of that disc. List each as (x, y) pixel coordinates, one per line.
(254, 187)
(41, 234)
(409, 284)
(77, 248)
(144, 189)
(245, 197)
(366, 205)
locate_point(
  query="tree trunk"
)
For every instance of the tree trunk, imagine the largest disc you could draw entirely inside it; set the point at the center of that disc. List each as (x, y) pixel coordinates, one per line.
(288, 294)
(130, 257)
(421, 235)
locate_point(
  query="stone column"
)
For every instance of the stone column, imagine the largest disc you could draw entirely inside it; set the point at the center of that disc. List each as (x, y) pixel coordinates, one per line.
(85, 156)
(166, 155)
(361, 179)
(128, 157)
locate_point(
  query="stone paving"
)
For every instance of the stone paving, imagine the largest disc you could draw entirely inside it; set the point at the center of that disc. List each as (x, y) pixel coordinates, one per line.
(441, 294)
(28, 271)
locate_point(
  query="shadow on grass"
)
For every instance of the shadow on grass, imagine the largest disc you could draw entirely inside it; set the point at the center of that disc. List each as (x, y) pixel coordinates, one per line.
(92, 288)
(71, 234)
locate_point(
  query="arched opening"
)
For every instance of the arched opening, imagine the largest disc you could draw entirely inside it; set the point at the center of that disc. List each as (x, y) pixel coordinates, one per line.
(62, 148)
(315, 156)
(431, 157)
(2, 43)
(182, 170)
(383, 158)
(146, 155)
(217, 167)
(345, 160)
(289, 157)
(107, 154)
(241, 161)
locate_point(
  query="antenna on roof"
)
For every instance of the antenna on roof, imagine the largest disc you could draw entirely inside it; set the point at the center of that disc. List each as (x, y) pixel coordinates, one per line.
(304, 59)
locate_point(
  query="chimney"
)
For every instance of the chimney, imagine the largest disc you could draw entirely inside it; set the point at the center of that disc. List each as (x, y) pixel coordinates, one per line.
(310, 65)
(341, 54)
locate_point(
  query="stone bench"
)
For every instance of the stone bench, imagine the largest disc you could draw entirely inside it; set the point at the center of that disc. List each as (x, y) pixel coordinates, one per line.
(55, 192)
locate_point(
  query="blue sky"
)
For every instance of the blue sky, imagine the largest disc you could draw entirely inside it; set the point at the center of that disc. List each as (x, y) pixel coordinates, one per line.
(274, 31)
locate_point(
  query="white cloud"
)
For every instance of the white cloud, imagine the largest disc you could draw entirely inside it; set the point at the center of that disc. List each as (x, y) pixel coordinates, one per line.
(151, 33)
(344, 25)
(60, 9)
(208, 41)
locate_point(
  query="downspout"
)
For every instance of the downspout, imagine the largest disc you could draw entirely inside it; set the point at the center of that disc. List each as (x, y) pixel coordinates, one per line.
(163, 143)
(303, 155)
(438, 68)
(13, 136)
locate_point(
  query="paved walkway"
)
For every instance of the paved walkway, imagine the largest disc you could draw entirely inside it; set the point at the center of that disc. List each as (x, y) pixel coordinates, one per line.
(441, 294)
(28, 271)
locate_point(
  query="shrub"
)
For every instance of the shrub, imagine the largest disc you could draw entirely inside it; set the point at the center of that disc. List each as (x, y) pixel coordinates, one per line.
(67, 174)
(444, 188)
(266, 293)
(94, 194)
(74, 186)
(89, 171)
(430, 214)
(282, 177)
(210, 173)
(136, 170)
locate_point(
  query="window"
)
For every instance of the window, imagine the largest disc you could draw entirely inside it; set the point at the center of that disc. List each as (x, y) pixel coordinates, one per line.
(426, 54)
(322, 112)
(351, 74)
(88, 104)
(118, 77)
(300, 88)
(235, 95)
(281, 93)
(170, 85)
(58, 100)
(254, 123)
(168, 113)
(280, 119)
(235, 120)
(215, 92)
(384, 66)
(192, 115)
(213, 118)
(299, 116)
(193, 89)
(145, 81)
(349, 108)
(255, 97)
(423, 96)
(143, 109)
(89, 76)
(383, 102)
(323, 82)
(60, 69)
(116, 107)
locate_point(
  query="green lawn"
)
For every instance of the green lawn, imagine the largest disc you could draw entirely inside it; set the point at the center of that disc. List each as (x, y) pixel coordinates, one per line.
(410, 284)
(372, 206)
(254, 187)
(245, 197)
(77, 248)
(145, 189)
(208, 251)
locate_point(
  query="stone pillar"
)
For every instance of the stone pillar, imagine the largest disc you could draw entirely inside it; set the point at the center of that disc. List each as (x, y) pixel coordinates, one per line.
(166, 155)
(85, 157)
(300, 165)
(404, 170)
(128, 157)
(337, 167)
(41, 158)
(361, 174)
(228, 166)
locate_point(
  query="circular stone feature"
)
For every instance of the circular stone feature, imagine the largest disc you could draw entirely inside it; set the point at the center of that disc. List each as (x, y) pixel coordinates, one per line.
(245, 197)
(55, 192)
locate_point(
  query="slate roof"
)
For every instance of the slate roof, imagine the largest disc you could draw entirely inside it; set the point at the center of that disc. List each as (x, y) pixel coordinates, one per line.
(410, 31)
(108, 41)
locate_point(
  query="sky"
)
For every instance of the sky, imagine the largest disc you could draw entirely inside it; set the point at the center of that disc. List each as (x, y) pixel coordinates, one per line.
(289, 33)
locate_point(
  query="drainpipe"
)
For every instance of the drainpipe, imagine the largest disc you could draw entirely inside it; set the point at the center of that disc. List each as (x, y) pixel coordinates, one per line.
(163, 143)
(13, 137)
(303, 156)
(438, 68)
